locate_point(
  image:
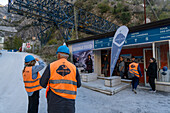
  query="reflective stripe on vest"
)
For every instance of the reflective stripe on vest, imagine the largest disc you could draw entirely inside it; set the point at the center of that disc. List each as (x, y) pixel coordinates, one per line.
(63, 79)
(31, 85)
(32, 81)
(133, 68)
(65, 91)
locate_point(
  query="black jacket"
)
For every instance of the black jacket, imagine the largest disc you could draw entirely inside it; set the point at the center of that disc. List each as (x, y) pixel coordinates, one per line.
(152, 70)
(56, 103)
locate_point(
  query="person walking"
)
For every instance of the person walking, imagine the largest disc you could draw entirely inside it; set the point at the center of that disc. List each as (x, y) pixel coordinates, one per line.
(89, 64)
(31, 77)
(134, 69)
(152, 73)
(63, 79)
(121, 67)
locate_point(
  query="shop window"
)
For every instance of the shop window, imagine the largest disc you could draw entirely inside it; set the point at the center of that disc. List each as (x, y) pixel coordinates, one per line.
(164, 61)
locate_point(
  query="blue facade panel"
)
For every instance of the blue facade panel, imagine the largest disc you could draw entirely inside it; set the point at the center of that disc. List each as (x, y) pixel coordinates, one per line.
(150, 35)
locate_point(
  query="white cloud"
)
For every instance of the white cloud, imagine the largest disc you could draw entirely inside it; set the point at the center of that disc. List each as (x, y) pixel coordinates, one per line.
(3, 2)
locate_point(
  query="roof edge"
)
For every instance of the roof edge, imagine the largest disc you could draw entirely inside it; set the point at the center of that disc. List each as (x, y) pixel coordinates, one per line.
(131, 29)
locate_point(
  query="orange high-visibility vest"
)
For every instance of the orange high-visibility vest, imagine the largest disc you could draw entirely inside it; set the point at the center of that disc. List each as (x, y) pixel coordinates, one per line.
(63, 79)
(31, 85)
(133, 68)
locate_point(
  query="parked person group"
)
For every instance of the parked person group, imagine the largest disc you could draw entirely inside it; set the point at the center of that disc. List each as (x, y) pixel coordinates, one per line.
(61, 77)
(121, 68)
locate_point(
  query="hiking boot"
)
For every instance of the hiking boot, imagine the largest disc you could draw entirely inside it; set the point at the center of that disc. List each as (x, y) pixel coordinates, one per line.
(153, 91)
(150, 90)
(134, 91)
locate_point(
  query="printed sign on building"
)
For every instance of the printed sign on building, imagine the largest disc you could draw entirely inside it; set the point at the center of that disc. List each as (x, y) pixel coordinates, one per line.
(81, 52)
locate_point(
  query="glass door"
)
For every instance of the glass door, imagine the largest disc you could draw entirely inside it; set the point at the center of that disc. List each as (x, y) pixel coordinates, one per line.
(147, 53)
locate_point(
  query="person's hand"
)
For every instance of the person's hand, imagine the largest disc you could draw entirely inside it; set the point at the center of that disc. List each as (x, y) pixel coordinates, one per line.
(37, 59)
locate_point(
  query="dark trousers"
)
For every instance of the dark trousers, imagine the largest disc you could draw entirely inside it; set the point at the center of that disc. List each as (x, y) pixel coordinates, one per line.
(57, 104)
(121, 75)
(33, 102)
(135, 82)
(152, 83)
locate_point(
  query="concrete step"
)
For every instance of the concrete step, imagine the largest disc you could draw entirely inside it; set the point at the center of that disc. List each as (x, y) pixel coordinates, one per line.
(87, 77)
(112, 81)
(99, 86)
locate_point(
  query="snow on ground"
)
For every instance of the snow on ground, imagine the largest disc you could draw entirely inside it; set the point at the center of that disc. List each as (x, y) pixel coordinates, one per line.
(123, 102)
(13, 97)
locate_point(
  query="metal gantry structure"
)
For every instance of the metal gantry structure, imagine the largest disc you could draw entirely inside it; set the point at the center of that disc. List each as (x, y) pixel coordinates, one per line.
(60, 13)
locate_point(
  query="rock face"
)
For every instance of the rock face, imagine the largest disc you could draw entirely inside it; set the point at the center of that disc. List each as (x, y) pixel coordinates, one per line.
(11, 25)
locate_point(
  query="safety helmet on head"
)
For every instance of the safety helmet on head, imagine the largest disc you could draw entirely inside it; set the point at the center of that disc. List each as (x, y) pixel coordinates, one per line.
(63, 49)
(165, 68)
(29, 58)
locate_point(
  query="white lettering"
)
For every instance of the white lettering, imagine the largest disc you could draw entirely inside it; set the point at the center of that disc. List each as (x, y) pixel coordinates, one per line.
(147, 39)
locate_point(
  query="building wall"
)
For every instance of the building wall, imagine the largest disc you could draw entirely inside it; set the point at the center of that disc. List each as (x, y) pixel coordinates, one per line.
(97, 62)
(1, 46)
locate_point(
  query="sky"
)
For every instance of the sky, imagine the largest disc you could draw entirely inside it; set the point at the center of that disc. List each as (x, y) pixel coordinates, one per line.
(3, 2)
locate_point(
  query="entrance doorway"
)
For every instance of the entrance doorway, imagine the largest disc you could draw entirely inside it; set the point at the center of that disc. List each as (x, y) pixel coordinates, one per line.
(105, 62)
(147, 53)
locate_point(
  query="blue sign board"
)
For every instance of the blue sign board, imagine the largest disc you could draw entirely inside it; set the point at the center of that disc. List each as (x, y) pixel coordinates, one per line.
(88, 45)
(103, 43)
(150, 35)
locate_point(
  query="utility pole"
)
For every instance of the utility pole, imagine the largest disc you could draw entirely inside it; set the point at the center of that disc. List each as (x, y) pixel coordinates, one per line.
(33, 41)
(145, 11)
(153, 10)
(75, 20)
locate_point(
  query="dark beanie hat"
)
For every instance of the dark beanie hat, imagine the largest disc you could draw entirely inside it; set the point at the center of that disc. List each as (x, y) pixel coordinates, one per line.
(153, 59)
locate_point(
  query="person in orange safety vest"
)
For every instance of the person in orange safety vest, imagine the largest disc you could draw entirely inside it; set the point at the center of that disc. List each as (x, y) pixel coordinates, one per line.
(134, 69)
(63, 79)
(31, 78)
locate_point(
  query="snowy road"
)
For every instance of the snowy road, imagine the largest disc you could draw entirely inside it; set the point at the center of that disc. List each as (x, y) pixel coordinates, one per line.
(123, 102)
(13, 98)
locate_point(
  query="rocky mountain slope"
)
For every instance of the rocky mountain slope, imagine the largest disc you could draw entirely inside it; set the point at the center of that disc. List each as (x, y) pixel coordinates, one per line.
(11, 24)
(127, 12)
